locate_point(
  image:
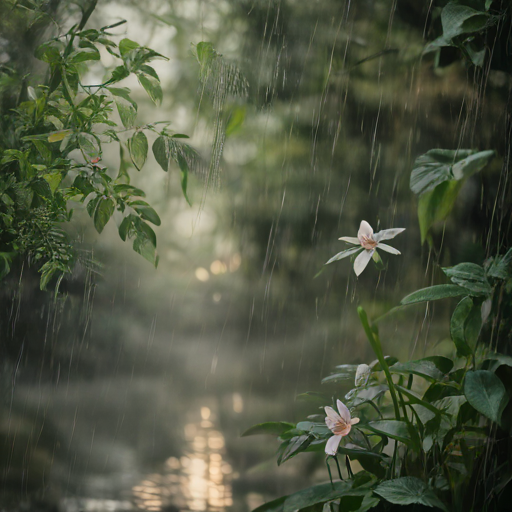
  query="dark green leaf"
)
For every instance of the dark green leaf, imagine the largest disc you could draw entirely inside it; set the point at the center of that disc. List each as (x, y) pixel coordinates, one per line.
(292, 447)
(41, 188)
(473, 326)
(471, 276)
(104, 210)
(500, 266)
(271, 427)
(84, 54)
(460, 19)
(89, 146)
(319, 494)
(119, 73)
(408, 490)
(486, 393)
(83, 184)
(146, 212)
(138, 147)
(125, 227)
(129, 189)
(425, 368)
(440, 291)
(391, 428)
(272, 506)
(457, 326)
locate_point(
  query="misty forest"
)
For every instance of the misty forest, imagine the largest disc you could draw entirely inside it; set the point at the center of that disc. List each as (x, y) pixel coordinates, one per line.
(255, 255)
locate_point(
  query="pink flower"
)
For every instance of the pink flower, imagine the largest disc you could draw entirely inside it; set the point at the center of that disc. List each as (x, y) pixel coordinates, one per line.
(340, 424)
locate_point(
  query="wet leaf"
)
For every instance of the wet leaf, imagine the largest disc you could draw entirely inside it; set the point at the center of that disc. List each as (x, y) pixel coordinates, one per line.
(486, 393)
(138, 147)
(391, 428)
(146, 212)
(457, 326)
(471, 276)
(436, 292)
(408, 490)
(152, 87)
(103, 211)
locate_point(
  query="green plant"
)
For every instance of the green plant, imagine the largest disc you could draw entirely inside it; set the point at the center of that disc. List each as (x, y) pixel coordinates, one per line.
(52, 143)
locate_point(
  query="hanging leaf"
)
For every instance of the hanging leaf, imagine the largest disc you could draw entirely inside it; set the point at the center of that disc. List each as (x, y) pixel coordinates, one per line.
(138, 148)
(457, 326)
(292, 447)
(440, 291)
(146, 211)
(152, 87)
(104, 210)
(460, 19)
(407, 491)
(426, 368)
(126, 107)
(486, 393)
(89, 145)
(391, 428)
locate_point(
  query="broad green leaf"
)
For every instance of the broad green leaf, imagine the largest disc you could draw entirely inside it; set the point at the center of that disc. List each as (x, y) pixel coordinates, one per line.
(271, 427)
(84, 54)
(152, 87)
(127, 45)
(473, 326)
(345, 254)
(41, 187)
(494, 361)
(459, 19)
(126, 107)
(145, 247)
(435, 205)
(53, 179)
(457, 326)
(146, 212)
(119, 73)
(416, 400)
(320, 494)
(436, 292)
(129, 189)
(50, 51)
(408, 490)
(47, 272)
(125, 226)
(89, 146)
(486, 393)
(138, 147)
(83, 184)
(103, 211)
(58, 136)
(391, 428)
(501, 266)
(372, 462)
(292, 447)
(451, 405)
(272, 506)
(426, 368)
(471, 276)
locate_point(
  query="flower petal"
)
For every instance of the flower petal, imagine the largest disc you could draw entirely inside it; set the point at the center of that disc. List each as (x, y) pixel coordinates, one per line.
(361, 261)
(354, 421)
(331, 447)
(332, 418)
(387, 234)
(345, 254)
(365, 229)
(344, 412)
(350, 240)
(389, 249)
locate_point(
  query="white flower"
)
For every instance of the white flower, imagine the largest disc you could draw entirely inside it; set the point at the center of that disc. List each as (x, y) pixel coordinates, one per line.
(369, 242)
(340, 424)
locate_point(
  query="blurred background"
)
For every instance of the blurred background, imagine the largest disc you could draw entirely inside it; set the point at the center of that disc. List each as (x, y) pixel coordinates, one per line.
(130, 391)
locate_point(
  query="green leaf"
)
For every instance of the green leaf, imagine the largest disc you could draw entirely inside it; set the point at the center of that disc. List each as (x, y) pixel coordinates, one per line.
(41, 188)
(292, 447)
(83, 184)
(103, 211)
(345, 371)
(235, 121)
(500, 266)
(473, 326)
(145, 242)
(84, 54)
(125, 227)
(408, 490)
(58, 136)
(127, 45)
(459, 19)
(152, 87)
(272, 506)
(126, 107)
(271, 427)
(435, 206)
(50, 51)
(138, 147)
(471, 276)
(486, 393)
(457, 326)
(146, 212)
(89, 146)
(395, 429)
(320, 494)
(433, 368)
(436, 292)
(345, 254)
(119, 73)
(129, 189)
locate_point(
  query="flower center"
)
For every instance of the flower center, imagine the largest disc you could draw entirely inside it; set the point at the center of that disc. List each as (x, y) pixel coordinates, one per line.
(341, 428)
(367, 242)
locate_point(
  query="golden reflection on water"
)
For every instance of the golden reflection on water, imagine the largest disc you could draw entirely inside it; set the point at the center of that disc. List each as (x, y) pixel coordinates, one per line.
(198, 480)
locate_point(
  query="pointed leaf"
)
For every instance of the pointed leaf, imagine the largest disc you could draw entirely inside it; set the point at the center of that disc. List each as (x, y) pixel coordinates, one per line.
(457, 326)
(486, 393)
(440, 291)
(138, 147)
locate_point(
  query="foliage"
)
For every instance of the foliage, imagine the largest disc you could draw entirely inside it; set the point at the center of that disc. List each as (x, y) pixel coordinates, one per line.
(52, 143)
